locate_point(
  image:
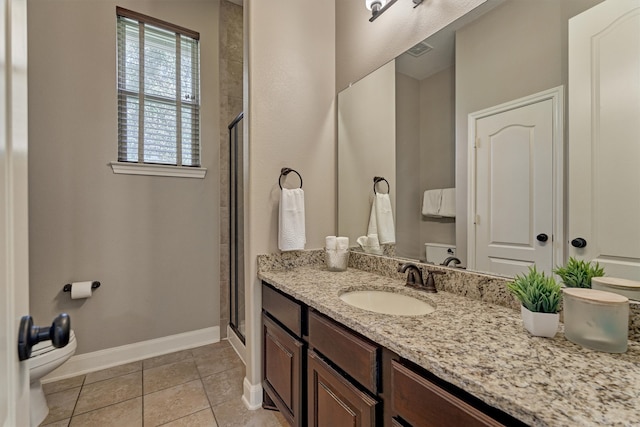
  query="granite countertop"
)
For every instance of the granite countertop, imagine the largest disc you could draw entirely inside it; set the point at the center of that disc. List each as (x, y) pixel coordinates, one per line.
(483, 349)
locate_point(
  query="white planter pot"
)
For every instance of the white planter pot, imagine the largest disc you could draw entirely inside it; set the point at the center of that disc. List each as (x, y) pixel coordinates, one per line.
(540, 324)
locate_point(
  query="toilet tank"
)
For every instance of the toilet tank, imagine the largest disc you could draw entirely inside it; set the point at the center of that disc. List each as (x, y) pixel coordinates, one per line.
(436, 253)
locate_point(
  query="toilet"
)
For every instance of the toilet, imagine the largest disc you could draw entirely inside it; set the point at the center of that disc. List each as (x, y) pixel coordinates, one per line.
(44, 359)
(436, 253)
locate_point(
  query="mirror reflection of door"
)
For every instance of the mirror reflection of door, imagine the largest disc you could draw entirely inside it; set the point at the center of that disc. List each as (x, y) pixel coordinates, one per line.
(604, 137)
(514, 186)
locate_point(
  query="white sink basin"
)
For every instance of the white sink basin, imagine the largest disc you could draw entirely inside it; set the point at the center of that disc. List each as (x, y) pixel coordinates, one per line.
(387, 303)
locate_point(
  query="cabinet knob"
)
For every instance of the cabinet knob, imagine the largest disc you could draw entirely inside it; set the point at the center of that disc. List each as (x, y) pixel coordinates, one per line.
(578, 242)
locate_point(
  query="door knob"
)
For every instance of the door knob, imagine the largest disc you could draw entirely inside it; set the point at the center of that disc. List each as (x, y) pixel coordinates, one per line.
(542, 237)
(30, 335)
(578, 242)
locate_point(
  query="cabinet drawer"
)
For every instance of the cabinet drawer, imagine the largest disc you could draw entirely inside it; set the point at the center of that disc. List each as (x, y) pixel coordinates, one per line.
(283, 309)
(355, 355)
(420, 402)
(334, 401)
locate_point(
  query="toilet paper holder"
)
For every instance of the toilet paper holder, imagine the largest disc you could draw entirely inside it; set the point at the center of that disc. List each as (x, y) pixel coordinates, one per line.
(94, 285)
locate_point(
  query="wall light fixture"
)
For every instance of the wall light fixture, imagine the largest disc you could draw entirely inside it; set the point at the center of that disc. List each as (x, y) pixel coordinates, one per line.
(377, 7)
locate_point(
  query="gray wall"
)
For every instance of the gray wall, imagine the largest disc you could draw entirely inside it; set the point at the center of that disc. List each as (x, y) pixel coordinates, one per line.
(425, 150)
(516, 50)
(151, 241)
(367, 134)
(290, 94)
(437, 152)
(408, 165)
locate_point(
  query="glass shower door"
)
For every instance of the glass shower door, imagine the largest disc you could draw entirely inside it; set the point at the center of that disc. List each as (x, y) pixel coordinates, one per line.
(236, 229)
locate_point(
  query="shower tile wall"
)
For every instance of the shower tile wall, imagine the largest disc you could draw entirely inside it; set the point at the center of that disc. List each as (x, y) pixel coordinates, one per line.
(231, 24)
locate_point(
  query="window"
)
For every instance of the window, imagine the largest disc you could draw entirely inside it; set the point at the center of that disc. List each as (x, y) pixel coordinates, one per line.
(158, 92)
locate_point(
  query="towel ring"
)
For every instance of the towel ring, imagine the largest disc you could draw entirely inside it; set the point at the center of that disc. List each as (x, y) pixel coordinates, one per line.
(377, 179)
(285, 172)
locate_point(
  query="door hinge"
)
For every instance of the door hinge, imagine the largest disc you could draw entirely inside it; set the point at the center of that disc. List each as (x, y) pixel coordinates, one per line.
(477, 144)
(476, 220)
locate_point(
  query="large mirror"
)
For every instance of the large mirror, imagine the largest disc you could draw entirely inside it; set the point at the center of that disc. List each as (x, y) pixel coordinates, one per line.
(407, 121)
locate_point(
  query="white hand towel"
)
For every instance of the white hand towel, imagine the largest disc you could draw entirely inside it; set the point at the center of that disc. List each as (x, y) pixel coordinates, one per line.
(370, 244)
(330, 243)
(342, 243)
(448, 203)
(291, 232)
(384, 219)
(373, 245)
(431, 202)
(373, 220)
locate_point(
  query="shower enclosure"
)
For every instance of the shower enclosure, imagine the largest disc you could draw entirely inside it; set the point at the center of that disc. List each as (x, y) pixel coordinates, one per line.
(236, 229)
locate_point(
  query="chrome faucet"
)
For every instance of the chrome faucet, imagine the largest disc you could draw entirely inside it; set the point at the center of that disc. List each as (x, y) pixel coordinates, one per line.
(449, 260)
(414, 277)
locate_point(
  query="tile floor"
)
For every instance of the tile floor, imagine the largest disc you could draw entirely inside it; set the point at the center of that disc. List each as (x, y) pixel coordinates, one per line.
(200, 387)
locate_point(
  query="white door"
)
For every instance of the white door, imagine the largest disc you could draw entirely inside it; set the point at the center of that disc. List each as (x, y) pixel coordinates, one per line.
(604, 137)
(14, 280)
(515, 185)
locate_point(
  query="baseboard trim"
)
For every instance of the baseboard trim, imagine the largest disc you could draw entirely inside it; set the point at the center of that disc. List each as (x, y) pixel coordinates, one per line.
(237, 345)
(107, 358)
(252, 397)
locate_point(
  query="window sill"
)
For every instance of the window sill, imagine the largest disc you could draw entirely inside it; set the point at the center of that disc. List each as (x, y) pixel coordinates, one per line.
(157, 170)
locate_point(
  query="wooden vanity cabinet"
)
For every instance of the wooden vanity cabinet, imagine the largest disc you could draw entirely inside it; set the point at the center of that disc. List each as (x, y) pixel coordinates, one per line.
(319, 373)
(284, 354)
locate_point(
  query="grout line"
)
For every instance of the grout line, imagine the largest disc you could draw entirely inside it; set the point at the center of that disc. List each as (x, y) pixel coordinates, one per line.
(110, 378)
(188, 415)
(103, 407)
(77, 399)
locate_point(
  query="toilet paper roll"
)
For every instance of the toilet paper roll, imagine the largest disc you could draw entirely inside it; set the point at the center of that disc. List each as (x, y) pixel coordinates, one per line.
(81, 290)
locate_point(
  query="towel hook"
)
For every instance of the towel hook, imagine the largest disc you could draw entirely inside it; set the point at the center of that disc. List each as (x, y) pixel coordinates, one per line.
(285, 172)
(377, 179)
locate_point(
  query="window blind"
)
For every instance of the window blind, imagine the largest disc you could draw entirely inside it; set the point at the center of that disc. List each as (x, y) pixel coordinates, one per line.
(158, 91)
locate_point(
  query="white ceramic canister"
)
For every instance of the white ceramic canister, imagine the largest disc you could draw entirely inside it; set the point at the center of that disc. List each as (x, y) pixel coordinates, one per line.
(596, 319)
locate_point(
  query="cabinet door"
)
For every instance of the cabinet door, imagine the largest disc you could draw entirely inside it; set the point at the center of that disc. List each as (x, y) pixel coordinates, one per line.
(420, 402)
(282, 370)
(333, 400)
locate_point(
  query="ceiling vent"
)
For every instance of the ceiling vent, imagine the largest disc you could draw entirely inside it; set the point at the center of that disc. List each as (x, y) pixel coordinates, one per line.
(419, 49)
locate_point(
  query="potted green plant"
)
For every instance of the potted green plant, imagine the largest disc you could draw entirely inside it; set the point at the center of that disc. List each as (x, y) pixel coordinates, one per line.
(539, 296)
(578, 273)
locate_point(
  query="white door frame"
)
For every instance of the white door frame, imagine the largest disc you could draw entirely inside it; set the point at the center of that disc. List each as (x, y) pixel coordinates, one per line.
(556, 95)
(14, 249)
